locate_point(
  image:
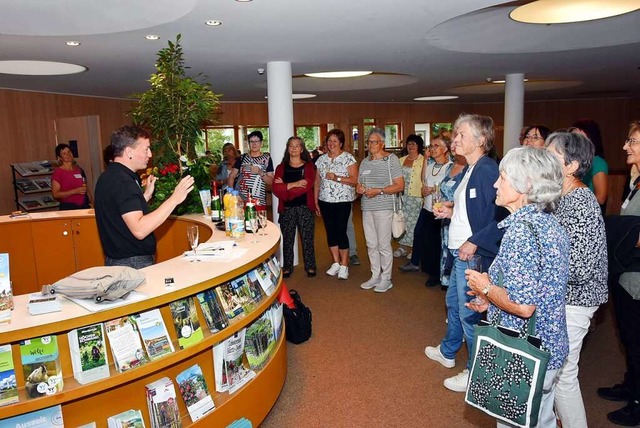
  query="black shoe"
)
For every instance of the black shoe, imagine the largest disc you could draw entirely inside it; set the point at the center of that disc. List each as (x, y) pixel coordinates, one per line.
(628, 416)
(286, 273)
(618, 392)
(311, 273)
(432, 282)
(444, 287)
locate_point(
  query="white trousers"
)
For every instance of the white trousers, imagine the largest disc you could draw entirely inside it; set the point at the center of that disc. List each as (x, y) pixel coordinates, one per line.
(546, 417)
(569, 404)
(377, 234)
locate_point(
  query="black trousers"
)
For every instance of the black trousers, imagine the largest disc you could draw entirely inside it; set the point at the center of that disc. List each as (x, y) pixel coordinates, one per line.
(301, 218)
(627, 310)
(336, 216)
(427, 246)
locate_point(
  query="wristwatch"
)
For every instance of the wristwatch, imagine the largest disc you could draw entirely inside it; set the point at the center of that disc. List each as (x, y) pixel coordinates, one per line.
(382, 191)
(339, 179)
(486, 289)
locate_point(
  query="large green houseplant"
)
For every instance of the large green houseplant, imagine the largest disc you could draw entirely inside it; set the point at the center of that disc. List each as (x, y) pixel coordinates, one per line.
(174, 110)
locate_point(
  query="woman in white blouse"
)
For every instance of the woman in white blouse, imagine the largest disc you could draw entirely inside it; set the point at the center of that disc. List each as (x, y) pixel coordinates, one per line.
(336, 178)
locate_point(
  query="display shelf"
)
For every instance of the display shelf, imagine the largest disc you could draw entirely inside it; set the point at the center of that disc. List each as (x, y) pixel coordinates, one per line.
(32, 185)
(82, 404)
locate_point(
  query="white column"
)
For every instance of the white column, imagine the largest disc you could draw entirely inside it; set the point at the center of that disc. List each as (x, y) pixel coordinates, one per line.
(513, 110)
(280, 102)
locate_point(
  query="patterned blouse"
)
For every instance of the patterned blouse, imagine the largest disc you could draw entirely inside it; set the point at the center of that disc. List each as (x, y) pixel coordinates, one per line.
(535, 269)
(579, 214)
(330, 190)
(249, 182)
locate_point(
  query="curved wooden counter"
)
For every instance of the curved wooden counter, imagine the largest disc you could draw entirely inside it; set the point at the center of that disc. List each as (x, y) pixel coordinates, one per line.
(95, 402)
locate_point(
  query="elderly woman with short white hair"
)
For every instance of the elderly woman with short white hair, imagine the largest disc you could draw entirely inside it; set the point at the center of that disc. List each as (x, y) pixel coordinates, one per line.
(530, 272)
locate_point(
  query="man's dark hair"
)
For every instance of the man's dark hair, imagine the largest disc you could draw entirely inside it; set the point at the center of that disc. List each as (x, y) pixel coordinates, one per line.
(126, 136)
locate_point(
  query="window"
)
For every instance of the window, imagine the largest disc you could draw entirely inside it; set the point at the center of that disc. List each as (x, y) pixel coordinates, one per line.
(213, 140)
(245, 131)
(310, 135)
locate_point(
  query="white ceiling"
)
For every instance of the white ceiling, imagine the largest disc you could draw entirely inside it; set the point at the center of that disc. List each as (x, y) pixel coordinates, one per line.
(416, 47)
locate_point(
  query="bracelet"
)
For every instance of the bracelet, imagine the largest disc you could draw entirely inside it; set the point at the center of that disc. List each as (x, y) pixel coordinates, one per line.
(382, 191)
(486, 290)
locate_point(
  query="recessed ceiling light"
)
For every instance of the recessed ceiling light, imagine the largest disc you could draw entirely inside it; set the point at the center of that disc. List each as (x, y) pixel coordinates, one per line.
(338, 74)
(436, 98)
(39, 68)
(244, 1)
(504, 81)
(565, 11)
(299, 96)
(151, 37)
(73, 43)
(213, 23)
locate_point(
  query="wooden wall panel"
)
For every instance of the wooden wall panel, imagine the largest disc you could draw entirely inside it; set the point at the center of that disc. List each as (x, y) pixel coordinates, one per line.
(26, 121)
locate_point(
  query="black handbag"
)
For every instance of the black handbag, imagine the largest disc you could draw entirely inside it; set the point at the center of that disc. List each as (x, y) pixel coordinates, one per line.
(297, 320)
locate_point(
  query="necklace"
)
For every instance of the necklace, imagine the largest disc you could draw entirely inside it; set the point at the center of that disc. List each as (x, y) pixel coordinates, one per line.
(435, 173)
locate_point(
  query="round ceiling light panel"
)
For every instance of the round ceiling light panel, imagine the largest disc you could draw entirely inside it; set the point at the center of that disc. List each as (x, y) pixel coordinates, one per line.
(39, 68)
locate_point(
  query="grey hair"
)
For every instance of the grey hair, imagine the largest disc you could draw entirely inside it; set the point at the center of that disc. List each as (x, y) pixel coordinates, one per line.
(535, 173)
(378, 131)
(481, 128)
(573, 147)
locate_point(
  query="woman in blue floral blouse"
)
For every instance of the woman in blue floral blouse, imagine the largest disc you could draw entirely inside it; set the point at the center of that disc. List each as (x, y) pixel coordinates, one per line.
(533, 260)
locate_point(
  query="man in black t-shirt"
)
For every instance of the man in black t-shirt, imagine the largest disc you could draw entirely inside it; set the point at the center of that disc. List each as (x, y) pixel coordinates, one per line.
(124, 222)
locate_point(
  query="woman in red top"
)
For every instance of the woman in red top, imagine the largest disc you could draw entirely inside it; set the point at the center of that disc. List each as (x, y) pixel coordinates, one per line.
(68, 181)
(293, 185)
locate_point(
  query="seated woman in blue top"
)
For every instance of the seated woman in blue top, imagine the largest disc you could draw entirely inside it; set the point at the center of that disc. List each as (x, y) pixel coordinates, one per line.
(531, 269)
(473, 230)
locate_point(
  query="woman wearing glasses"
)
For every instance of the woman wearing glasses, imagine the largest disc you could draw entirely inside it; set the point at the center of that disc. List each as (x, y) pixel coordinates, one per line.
(623, 236)
(535, 136)
(255, 171)
(379, 180)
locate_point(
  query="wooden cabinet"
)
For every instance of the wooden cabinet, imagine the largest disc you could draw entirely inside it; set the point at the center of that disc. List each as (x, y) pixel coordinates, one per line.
(95, 402)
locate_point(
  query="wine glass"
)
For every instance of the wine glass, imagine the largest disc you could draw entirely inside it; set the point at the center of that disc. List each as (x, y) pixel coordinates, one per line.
(474, 262)
(262, 219)
(193, 234)
(253, 221)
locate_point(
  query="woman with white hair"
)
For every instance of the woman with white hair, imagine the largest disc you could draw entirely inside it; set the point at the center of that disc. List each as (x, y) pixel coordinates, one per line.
(473, 230)
(579, 213)
(379, 180)
(530, 272)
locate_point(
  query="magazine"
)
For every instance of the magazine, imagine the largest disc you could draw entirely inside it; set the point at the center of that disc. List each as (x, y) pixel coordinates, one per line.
(88, 353)
(195, 393)
(259, 342)
(126, 346)
(129, 419)
(219, 374)
(212, 311)
(41, 366)
(6, 293)
(50, 417)
(186, 322)
(231, 303)
(237, 373)
(276, 314)
(241, 289)
(255, 288)
(8, 385)
(26, 186)
(266, 279)
(163, 407)
(154, 333)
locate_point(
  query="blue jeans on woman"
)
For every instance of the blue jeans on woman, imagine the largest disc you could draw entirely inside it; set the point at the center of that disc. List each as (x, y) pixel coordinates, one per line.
(461, 320)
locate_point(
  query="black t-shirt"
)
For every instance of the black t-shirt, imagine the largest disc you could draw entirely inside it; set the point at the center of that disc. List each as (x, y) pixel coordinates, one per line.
(118, 192)
(291, 175)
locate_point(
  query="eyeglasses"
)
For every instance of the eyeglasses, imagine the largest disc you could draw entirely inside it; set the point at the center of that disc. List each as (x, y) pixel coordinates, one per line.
(255, 141)
(412, 143)
(533, 137)
(375, 142)
(631, 141)
(435, 146)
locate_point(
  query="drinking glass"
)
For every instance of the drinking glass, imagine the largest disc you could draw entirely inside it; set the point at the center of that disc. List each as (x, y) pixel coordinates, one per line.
(474, 262)
(193, 234)
(262, 219)
(436, 198)
(253, 221)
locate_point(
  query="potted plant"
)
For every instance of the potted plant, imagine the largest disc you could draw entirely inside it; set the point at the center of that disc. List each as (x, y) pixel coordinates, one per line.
(174, 110)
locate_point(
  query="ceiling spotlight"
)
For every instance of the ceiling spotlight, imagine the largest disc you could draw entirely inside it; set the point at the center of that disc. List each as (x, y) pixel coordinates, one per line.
(436, 98)
(565, 11)
(73, 43)
(213, 23)
(338, 74)
(499, 82)
(151, 37)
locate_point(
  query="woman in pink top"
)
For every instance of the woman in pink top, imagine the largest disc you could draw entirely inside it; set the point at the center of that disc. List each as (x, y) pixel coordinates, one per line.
(69, 182)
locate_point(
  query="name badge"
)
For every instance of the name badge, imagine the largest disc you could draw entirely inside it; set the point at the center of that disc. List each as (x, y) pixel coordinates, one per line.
(472, 193)
(78, 176)
(624, 205)
(367, 172)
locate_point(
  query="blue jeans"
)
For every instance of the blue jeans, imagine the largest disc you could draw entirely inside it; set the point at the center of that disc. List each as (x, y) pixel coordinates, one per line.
(461, 320)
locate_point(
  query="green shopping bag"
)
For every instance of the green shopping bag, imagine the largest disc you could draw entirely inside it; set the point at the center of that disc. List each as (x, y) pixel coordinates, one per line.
(508, 372)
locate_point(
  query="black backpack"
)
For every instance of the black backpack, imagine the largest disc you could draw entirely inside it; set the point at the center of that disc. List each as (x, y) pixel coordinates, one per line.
(297, 320)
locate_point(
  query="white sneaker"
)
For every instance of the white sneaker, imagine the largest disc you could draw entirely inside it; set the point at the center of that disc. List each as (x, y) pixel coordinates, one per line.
(458, 383)
(400, 252)
(384, 286)
(409, 255)
(334, 269)
(343, 273)
(435, 354)
(370, 283)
